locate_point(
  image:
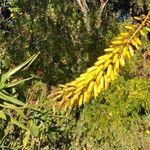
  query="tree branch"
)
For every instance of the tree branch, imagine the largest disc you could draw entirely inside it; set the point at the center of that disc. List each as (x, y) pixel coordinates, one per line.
(83, 6)
(103, 4)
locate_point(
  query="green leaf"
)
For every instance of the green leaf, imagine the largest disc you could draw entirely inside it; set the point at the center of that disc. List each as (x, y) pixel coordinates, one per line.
(19, 124)
(7, 75)
(7, 97)
(2, 85)
(34, 130)
(16, 82)
(2, 115)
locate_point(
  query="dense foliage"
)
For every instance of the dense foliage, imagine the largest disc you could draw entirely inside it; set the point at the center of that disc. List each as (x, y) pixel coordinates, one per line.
(70, 35)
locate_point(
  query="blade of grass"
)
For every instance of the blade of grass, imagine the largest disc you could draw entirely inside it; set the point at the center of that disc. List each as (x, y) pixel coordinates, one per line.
(7, 97)
(32, 61)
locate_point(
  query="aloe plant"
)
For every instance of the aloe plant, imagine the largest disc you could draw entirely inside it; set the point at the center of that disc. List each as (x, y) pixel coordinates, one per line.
(7, 100)
(107, 68)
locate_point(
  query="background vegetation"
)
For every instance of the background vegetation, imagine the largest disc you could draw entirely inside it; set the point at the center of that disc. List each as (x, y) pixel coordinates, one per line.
(70, 35)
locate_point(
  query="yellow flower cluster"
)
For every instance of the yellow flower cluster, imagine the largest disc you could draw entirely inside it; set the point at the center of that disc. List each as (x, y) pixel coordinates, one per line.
(107, 67)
